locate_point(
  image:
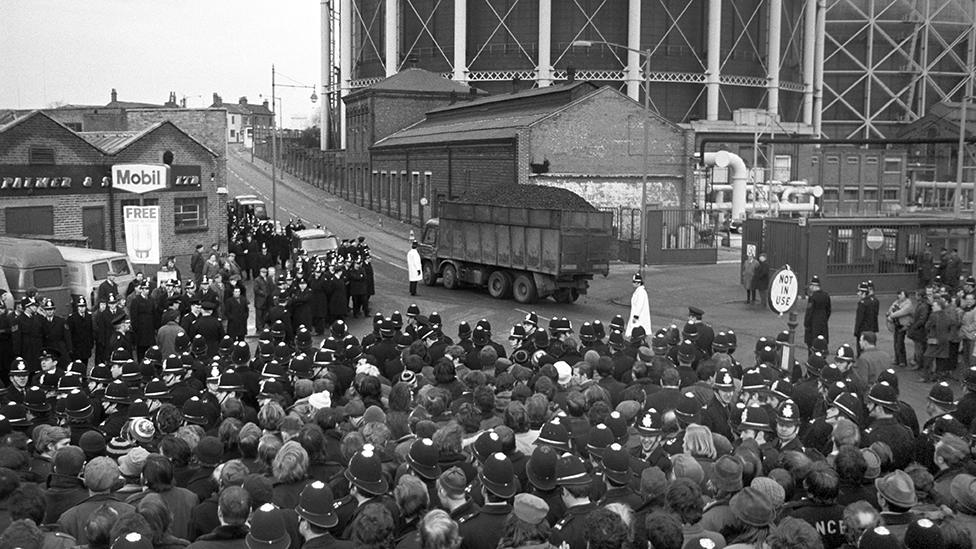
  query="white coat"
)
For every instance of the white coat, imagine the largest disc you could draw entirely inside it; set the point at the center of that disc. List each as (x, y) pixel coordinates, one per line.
(640, 311)
(413, 266)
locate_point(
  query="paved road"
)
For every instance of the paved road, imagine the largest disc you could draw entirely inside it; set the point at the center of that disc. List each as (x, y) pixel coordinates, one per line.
(714, 288)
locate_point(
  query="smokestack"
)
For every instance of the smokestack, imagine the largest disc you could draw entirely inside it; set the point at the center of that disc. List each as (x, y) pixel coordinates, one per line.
(216, 100)
(115, 95)
(242, 101)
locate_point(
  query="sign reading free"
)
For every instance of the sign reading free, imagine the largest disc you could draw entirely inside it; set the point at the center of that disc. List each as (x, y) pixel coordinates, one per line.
(140, 178)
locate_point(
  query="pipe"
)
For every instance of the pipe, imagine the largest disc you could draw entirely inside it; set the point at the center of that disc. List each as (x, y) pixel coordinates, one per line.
(544, 70)
(809, 47)
(392, 37)
(633, 53)
(325, 22)
(818, 64)
(345, 64)
(810, 140)
(766, 206)
(460, 40)
(739, 174)
(772, 58)
(714, 69)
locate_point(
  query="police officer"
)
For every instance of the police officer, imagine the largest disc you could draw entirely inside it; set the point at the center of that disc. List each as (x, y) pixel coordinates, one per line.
(483, 528)
(817, 313)
(574, 481)
(617, 476)
(719, 412)
(882, 406)
(866, 318)
(81, 331)
(367, 484)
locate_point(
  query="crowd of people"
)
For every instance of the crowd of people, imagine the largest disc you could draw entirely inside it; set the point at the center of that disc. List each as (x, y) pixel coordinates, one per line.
(165, 428)
(574, 436)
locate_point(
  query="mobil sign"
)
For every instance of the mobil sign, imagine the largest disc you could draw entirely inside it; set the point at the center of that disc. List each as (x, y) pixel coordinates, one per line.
(140, 178)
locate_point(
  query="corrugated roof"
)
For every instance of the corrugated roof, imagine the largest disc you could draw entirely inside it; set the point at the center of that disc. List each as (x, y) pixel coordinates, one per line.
(505, 97)
(503, 126)
(110, 142)
(419, 80)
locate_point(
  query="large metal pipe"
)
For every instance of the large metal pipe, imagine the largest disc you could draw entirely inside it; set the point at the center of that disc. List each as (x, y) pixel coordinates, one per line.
(739, 175)
(392, 37)
(772, 58)
(460, 40)
(818, 64)
(544, 70)
(801, 140)
(714, 68)
(809, 45)
(345, 64)
(633, 54)
(325, 78)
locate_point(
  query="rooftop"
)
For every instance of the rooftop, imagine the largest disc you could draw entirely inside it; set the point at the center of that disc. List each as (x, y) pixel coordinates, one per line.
(419, 80)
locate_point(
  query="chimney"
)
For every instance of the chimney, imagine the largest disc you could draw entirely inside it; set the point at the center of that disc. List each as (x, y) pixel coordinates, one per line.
(265, 103)
(242, 101)
(216, 100)
(115, 95)
(172, 99)
(570, 75)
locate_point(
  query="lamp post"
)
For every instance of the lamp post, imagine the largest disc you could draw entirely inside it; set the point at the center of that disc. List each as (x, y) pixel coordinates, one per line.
(274, 138)
(645, 153)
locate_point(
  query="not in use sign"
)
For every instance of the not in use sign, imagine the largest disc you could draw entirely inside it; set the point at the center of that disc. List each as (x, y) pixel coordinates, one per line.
(783, 289)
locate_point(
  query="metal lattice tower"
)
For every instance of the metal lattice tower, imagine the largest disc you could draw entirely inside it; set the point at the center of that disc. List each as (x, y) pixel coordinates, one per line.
(887, 61)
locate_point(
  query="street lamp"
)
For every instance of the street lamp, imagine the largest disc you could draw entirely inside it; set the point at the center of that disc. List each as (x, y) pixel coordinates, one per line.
(645, 152)
(274, 138)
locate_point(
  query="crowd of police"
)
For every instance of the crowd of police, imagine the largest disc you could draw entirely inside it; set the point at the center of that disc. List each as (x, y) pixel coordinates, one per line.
(594, 436)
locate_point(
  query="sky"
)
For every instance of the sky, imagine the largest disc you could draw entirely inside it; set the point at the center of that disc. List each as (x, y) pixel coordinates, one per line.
(75, 51)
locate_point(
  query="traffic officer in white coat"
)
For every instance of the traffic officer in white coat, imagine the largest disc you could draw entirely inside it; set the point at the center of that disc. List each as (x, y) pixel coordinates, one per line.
(413, 267)
(640, 307)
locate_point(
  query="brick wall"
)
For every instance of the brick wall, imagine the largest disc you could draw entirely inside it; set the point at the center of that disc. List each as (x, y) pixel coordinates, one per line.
(454, 170)
(70, 149)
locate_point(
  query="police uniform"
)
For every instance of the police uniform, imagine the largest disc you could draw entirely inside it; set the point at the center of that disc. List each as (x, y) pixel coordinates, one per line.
(483, 528)
(572, 527)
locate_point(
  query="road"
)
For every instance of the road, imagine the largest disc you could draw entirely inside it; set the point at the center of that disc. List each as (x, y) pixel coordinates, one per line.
(714, 288)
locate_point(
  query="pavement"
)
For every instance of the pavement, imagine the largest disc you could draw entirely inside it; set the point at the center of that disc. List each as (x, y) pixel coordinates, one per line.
(671, 288)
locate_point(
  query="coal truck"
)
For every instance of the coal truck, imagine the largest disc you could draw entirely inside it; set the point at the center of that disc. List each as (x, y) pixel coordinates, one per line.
(528, 242)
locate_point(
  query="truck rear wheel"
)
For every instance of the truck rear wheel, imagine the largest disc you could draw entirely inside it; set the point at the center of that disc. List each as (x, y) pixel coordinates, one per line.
(500, 285)
(524, 289)
(427, 271)
(450, 277)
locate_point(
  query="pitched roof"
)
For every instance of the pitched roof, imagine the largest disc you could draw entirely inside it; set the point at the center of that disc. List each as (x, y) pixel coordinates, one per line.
(518, 97)
(115, 142)
(21, 117)
(232, 108)
(419, 80)
(485, 124)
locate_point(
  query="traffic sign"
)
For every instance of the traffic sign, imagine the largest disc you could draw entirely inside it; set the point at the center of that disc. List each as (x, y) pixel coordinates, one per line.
(875, 238)
(783, 290)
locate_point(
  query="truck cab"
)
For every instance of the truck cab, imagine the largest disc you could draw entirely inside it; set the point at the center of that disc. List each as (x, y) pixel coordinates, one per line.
(248, 203)
(427, 247)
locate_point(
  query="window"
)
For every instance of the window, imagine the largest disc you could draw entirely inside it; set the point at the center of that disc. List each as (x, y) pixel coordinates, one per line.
(892, 165)
(190, 213)
(47, 278)
(168, 158)
(40, 155)
(30, 220)
(120, 267)
(139, 202)
(100, 270)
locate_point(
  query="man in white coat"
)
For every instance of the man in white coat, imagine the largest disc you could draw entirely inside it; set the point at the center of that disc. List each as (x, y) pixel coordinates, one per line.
(640, 307)
(413, 267)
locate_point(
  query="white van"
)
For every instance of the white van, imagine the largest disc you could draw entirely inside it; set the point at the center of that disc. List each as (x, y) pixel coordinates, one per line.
(88, 268)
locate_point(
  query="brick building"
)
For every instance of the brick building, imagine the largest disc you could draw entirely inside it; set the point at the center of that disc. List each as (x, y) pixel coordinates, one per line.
(574, 136)
(56, 183)
(244, 117)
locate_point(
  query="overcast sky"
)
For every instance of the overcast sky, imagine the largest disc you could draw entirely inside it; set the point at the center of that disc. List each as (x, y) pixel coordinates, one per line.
(76, 51)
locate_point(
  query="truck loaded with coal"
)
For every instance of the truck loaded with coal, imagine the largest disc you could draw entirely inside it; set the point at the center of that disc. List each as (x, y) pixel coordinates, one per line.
(522, 241)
